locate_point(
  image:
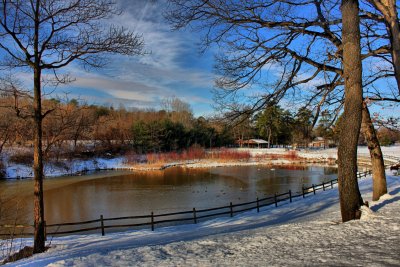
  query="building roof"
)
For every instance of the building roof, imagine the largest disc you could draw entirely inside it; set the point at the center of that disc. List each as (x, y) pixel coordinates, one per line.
(252, 141)
(259, 141)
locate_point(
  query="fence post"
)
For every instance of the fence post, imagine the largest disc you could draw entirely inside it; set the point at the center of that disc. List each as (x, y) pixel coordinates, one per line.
(275, 199)
(323, 186)
(290, 195)
(152, 221)
(302, 190)
(194, 216)
(258, 205)
(45, 231)
(332, 184)
(102, 225)
(231, 209)
(313, 188)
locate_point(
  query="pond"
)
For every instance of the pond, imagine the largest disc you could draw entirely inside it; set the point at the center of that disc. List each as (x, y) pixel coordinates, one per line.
(122, 193)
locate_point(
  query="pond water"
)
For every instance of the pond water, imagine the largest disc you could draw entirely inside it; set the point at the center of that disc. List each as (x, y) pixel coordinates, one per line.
(115, 194)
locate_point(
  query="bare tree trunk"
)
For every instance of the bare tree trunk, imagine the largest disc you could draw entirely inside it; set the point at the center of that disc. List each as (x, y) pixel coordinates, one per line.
(269, 137)
(389, 12)
(349, 193)
(39, 235)
(378, 166)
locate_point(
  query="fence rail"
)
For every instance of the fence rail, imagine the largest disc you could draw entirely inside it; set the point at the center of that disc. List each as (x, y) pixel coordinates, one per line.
(393, 157)
(193, 215)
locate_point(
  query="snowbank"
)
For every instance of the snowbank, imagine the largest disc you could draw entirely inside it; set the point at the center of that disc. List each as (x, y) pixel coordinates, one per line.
(306, 232)
(74, 167)
(81, 166)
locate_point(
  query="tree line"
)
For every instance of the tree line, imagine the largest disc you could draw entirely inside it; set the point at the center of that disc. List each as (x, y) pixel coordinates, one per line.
(76, 129)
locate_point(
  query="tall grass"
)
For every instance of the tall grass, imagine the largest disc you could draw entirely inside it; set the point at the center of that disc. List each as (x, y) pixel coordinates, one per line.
(289, 155)
(193, 153)
(229, 155)
(197, 153)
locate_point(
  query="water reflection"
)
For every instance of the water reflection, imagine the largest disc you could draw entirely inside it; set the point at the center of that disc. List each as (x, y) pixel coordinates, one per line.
(176, 189)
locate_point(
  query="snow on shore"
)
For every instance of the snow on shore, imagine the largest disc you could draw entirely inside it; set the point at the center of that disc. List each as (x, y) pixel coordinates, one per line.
(14, 171)
(306, 232)
(77, 166)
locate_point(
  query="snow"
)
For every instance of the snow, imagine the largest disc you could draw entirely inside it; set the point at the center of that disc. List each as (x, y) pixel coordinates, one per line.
(305, 232)
(78, 166)
(74, 167)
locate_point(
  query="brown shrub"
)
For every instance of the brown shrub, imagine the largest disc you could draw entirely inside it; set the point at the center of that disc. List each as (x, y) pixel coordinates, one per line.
(291, 155)
(2, 170)
(25, 158)
(227, 155)
(21, 254)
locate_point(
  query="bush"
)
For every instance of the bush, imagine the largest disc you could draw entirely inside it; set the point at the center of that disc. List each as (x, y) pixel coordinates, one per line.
(227, 154)
(25, 158)
(2, 170)
(132, 157)
(11, 241)
(190, 154)
(292, 155)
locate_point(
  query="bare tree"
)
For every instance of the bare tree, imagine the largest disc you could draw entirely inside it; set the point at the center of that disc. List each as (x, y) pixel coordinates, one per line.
(279, 35)
(14, 103)
(44, 36)
(7, 128)
(388, 9)
(178, 110)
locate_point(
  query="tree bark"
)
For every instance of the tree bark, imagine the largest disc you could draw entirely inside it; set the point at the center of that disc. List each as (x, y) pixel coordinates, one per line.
(39, 234)
(378, 166)
(349, 193)
(269, 137)
(389, 12)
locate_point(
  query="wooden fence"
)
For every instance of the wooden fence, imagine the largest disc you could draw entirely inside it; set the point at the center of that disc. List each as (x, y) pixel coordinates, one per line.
(393, 158)
(152, 220)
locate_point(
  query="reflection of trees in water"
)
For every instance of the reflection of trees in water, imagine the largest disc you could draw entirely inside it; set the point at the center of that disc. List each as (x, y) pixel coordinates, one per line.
(330, 170)
(13, 210)
(293, 167)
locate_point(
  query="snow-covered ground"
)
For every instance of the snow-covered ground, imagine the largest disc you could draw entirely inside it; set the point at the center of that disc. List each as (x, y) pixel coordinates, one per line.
(307, 232)
(77, 166)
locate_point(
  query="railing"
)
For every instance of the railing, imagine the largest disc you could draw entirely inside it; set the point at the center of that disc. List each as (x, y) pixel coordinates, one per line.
(152, 220)
(392, 157)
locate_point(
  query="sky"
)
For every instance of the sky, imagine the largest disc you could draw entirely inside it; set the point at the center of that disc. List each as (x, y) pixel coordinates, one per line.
(172, 67)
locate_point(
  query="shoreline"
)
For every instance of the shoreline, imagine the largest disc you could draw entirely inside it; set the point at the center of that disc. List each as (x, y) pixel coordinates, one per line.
(201, 164)
(271, 157)
(194, 164)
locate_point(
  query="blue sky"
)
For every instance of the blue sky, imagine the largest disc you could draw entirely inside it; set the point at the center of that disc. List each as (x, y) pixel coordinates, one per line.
(173, 67)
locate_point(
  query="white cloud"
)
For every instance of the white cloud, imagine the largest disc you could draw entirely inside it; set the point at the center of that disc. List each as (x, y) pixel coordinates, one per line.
(173, 66)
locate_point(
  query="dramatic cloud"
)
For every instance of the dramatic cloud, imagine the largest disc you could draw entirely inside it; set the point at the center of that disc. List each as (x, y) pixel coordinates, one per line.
(172, 66)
